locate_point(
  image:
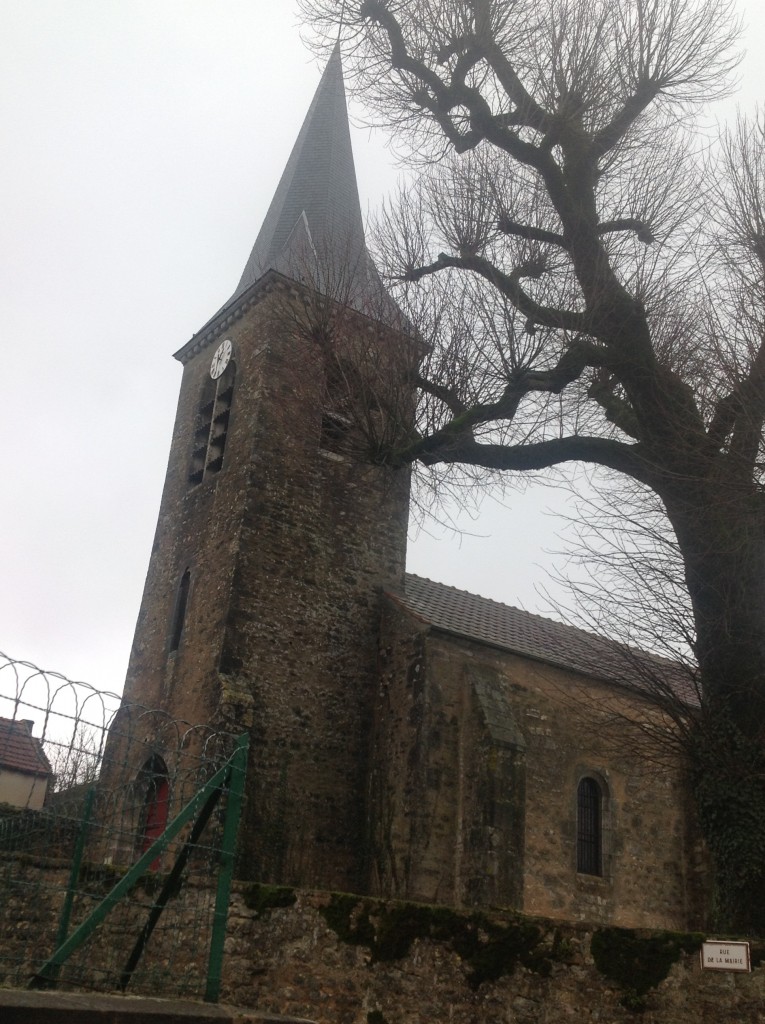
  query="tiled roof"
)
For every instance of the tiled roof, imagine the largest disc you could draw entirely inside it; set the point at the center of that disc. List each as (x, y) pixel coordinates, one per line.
(20, 751)
(486, 621)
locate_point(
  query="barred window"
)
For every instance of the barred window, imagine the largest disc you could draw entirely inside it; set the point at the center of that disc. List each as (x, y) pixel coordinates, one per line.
(589, 838)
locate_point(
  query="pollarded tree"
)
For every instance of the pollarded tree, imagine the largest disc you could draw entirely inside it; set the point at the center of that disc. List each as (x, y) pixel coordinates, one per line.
(591, 283)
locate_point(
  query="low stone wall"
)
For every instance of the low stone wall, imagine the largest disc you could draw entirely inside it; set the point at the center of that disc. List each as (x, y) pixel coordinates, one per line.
(344, 960)
(339, 959)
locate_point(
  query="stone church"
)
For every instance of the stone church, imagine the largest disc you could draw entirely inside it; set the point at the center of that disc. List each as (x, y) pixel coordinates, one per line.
(407, 739)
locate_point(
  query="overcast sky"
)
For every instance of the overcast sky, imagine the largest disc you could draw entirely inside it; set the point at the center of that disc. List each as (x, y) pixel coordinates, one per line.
(142, 141)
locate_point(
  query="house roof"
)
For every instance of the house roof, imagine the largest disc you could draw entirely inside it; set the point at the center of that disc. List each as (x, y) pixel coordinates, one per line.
(20, 751)
(480, 619)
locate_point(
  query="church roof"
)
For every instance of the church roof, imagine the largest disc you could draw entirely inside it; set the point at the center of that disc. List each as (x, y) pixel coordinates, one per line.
(512, 629)
(20, 751)
(313, 232)
(315, 213)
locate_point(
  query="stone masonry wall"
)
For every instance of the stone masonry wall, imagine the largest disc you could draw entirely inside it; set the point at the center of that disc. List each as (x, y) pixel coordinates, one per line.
(322, 534)
(339, 959)
(485, 751)
(288, 548)
(342, 960)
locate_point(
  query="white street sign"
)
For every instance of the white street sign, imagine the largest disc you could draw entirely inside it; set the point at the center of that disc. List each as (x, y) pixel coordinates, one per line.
(725, 956)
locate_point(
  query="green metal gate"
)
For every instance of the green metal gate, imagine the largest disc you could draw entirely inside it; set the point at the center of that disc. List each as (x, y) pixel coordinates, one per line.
(229, 779)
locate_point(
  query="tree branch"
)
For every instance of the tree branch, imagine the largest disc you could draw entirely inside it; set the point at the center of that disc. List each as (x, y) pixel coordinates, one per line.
(576, 358)
(449, 446)
(723, 419)
(441, 98)
(531, 113)
(620, 124)
(508, 285)
(642, 230)
(750, 414)
(511, 227)
(617, 411)
(444, 394)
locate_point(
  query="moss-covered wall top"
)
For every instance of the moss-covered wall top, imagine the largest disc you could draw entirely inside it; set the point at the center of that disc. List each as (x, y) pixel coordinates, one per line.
(335, 958)
(342, 959)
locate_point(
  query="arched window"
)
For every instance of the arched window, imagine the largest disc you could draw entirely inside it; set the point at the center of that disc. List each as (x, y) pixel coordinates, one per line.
(156, 803)
(211, 428)
(179, 611)
(589, 827)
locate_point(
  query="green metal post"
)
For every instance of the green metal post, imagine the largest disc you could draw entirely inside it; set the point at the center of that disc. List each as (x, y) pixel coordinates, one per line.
(169, 889)
(46, 976)
(226, 873)
(74, 874)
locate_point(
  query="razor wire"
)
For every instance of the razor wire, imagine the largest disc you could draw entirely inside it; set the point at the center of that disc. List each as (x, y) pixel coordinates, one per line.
(87, 784)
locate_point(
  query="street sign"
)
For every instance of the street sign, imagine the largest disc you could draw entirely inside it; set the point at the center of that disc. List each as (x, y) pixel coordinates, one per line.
(725, 956)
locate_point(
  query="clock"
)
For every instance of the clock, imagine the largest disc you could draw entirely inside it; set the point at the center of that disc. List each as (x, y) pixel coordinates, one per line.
(220, 359)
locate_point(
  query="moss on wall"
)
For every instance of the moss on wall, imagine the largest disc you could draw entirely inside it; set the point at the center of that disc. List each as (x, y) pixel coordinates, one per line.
(263, 898)
(488, 949)
(639, 963)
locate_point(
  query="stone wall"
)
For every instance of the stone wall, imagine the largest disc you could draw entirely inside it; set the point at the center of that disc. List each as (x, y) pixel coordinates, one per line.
(484, 751)
(288, 548)
(449, 795)
(339, 959)
(32, 894)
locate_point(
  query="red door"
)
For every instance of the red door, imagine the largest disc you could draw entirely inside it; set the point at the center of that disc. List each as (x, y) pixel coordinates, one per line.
(156, 814)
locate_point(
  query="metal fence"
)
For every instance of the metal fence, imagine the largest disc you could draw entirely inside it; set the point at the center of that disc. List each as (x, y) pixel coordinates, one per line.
(117, 833)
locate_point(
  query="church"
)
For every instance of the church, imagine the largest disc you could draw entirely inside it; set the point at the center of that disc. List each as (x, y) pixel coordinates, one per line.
(408, 739)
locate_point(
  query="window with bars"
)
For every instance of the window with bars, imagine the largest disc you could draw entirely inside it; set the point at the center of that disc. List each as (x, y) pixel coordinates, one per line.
(589, 828)
(211, 428)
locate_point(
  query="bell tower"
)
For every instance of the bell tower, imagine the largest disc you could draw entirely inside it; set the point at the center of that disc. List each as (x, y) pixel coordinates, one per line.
(276, 531)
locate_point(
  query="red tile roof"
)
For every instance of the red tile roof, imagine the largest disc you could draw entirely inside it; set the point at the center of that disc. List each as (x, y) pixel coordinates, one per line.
(500, 625)
(20, 751)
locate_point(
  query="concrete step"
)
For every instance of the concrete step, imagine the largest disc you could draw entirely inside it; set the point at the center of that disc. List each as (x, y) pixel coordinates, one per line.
(20, 1006)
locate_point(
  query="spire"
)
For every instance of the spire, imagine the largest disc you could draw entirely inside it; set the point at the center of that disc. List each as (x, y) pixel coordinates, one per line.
(316, 208)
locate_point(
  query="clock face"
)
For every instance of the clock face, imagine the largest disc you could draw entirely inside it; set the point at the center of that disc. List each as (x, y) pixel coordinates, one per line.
(220, 359)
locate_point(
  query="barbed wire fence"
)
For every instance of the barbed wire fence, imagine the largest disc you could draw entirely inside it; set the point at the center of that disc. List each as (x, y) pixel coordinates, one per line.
(102, 884)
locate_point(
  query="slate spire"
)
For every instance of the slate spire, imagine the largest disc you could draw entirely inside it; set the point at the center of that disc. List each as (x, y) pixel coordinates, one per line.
(315, 210)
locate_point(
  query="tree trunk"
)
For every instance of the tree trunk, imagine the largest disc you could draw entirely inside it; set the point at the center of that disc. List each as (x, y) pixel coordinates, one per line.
(723, 546)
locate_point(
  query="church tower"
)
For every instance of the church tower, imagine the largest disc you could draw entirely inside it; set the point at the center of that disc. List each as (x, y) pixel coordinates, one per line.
(276, 532)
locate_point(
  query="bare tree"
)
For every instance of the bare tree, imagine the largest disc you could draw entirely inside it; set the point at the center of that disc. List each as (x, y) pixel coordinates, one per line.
(76, 762)
(589, 284)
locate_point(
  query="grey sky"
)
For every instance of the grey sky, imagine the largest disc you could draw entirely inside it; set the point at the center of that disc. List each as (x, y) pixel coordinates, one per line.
(142, 141)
